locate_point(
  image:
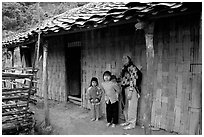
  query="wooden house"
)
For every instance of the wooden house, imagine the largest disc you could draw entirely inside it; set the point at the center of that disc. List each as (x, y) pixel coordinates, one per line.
(163, 40)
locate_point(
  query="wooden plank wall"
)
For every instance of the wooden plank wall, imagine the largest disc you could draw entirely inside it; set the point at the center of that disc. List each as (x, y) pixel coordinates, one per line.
(176, 50)
(103, 50)
(6, 58)
(56, 71)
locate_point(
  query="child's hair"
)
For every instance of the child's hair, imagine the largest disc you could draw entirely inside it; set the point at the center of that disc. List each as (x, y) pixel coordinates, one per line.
(107, 73)
(94, 79)
(113, 77)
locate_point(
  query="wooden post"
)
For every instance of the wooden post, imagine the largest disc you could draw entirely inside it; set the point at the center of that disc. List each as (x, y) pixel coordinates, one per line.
(38, 46)
(148, 97)
(12, 58)
(45, 84)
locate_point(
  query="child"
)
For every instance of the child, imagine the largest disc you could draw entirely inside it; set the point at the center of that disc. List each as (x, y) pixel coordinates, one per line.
(114, 80)
(94, 96)
(111, 90)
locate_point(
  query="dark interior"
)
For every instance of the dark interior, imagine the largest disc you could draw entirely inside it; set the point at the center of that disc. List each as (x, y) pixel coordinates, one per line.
(73, 64)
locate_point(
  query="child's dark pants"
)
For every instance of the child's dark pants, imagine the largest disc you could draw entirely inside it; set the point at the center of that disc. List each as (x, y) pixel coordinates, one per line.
(112, 112)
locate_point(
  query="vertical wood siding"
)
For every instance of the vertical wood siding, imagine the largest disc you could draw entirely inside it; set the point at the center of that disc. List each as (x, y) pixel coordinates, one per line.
(177, 67)
(103, 50)
(177, 51)
(56, 71)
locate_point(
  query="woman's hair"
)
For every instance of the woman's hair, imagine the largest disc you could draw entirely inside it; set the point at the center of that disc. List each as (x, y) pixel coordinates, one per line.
(94, 79)
(130, 61)
(125, 67)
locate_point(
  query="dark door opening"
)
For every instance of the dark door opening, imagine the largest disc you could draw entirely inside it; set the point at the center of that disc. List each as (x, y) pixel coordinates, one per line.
(73, 65)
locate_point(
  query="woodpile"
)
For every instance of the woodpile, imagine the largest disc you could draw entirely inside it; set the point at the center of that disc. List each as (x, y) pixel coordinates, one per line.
(17, 118)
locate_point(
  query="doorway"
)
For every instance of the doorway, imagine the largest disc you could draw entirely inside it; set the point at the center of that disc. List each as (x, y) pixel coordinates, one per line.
(73, 65)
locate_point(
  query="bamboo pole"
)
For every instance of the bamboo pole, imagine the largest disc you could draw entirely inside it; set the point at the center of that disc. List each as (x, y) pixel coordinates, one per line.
(14, 89)
(15, 97)
(15, 75)
(13, 105)
(38, 45)
(45, 84)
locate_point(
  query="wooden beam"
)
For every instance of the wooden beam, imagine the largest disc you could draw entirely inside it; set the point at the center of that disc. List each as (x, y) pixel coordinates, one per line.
(15, 75)
(12, 55)
(149, 29)
(45, 84)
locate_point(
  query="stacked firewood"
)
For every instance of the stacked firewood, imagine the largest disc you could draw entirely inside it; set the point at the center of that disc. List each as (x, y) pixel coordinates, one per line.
(18, 88)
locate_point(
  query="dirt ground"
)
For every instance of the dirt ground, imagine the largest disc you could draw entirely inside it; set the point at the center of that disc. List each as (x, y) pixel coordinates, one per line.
(71, 119)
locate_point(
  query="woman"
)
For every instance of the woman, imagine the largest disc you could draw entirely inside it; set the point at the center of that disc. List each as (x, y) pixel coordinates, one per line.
(131, 80)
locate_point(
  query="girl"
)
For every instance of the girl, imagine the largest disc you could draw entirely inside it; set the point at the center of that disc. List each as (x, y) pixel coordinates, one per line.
(111, 91)
(94, 96)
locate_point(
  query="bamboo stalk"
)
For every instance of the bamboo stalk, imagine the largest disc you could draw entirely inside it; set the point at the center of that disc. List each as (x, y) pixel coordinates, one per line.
(15, 75)
(13, 89)
(17, 92)
(14, 127)
(17, 119)
(15, 112)
(14, 97)
(14, 92)
(18, 68)
(13, 105)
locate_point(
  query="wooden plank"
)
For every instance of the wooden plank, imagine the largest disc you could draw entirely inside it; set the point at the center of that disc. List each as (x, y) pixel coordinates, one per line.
(75, 98)
(163, 115)
(194, 121)
(15, 75)
(6, 106)
(19, 97)
(177, 119)
(153, 120)
(18, 112)
(14, 89)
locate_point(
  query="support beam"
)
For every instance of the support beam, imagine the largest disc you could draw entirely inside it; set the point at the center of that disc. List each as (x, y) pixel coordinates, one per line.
(38, 50)
(45, 84)
(148, 28)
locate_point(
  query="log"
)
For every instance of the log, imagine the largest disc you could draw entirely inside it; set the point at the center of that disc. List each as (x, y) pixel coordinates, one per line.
(17, 92)
(17, 119)
(14, 105)
(13, 128)
(18, 68)
(16, 112)
(13, 89)
(14, 98)
(14, 92)
(15, 75)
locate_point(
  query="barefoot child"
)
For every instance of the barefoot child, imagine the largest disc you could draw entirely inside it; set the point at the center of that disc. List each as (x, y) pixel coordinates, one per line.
(94, 96)
(111, 91)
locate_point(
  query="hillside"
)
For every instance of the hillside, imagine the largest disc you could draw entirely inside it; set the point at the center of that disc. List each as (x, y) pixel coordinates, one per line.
(20, 16)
